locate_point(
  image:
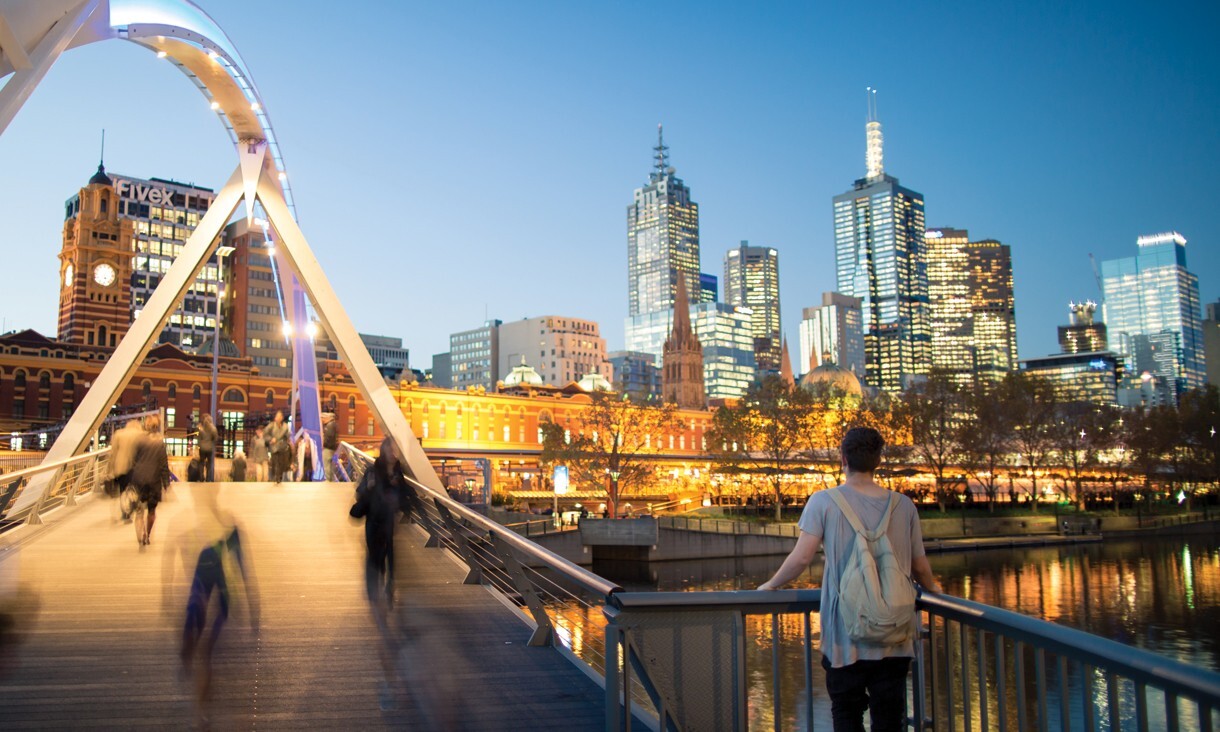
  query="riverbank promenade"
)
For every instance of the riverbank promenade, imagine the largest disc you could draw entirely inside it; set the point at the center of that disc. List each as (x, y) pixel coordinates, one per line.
(98, 628)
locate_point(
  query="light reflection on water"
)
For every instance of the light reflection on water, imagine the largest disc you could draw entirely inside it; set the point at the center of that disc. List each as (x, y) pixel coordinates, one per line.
(1161, 595)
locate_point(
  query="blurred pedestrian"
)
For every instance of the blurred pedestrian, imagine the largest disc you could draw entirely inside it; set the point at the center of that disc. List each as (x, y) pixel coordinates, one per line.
(123, 447)
(330, 443)
(237, 470)
(383, 494)
(279, 446)
(304, 455)
(149, 476)
(207, 446)
(194, 469)
(214, 553)
(258, 455)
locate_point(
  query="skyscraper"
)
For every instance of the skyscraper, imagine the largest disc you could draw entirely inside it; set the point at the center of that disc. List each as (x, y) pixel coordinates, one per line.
(1211, 342)
(662, 239)
(880, 258)
(1151, 310)
(1082, 334)
(835, 328)
(474, 357)
(751, 279)
(993, 311)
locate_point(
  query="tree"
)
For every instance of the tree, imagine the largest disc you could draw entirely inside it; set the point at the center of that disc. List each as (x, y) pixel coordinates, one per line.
(1031, 401)
(764, 430)
(930, 412)
(1079, 432)
(610, 442)
(985, 438)
(1199, 420)
(1150, 435)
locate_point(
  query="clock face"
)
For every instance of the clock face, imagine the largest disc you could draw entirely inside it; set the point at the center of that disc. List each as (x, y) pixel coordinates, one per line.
(68, 273)
(104, 275)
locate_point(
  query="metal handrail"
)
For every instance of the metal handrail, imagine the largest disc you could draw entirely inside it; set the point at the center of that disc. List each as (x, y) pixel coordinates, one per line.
(714, 526)
(528, 549)
(988, 642)
(57, 483)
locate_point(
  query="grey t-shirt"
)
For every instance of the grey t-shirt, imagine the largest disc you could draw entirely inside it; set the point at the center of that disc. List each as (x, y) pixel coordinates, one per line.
(822, 518)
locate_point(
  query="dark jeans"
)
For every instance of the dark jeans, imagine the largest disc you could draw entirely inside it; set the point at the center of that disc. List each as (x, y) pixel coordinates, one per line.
(878, 686)
(208, 458)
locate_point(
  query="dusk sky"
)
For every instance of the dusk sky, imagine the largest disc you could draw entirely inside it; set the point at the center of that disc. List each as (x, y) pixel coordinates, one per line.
(457, 161)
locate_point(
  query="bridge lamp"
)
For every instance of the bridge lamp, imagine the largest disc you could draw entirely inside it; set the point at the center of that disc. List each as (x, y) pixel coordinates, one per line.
(286, 329)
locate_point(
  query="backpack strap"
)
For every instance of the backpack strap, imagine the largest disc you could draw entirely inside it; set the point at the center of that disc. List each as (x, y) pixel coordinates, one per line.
(854, 519)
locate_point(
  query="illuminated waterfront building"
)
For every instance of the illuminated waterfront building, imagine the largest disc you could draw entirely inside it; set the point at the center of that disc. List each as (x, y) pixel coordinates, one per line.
(1151, 311)
(751, 280)
(474, 357)
(562, 349)
(834, 327)
(1082, 334)
(971, 307)
(880, 258)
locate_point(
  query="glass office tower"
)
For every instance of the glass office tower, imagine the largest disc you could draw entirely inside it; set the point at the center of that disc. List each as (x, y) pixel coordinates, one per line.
(1151, 311)
(880, 258)
(662, 239)
(751, 280)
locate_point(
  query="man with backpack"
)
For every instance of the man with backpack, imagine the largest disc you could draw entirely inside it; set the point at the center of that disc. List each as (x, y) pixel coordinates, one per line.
(873, 550)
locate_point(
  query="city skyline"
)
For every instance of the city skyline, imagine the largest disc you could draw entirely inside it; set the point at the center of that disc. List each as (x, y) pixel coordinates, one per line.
(1030, 147)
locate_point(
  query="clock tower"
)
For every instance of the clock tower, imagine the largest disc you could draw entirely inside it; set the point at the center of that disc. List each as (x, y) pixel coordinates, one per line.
(95, 267)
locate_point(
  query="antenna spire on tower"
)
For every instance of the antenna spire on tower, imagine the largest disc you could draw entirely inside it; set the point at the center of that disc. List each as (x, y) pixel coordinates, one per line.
(662, 153)
(102, 158)
(873, 157)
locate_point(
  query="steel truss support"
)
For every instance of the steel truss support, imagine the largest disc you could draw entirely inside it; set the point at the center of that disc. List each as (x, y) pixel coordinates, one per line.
(142, 335)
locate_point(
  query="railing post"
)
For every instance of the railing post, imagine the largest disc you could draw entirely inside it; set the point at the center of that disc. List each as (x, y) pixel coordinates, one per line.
(474, 572)
(544, 634)
(70, 499)
(34, 518)
(614, 637)
(434, 537)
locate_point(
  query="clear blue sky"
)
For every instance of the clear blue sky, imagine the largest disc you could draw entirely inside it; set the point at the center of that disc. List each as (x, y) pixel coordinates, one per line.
(453, 161)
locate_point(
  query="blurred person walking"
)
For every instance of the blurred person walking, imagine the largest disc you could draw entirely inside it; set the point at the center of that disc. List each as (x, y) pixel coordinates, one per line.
(123, 447)
(330, 443)
(382, 494)
(213, 551)
(258, 455)
(207, 447)
(279, 447)
(237, 470)
(149, 476)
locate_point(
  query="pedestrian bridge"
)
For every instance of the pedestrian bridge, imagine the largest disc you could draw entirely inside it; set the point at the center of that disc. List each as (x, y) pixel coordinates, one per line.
(489, 630)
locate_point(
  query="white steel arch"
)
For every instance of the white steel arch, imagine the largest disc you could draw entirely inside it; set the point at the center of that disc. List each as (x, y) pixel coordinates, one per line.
(34, 33)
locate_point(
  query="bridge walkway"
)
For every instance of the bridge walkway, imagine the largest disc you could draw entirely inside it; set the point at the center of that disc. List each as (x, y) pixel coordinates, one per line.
(99, 624)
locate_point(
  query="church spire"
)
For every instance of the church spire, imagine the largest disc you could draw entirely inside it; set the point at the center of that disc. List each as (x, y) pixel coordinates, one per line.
(682, 357)
(873, 157)
(785, 365)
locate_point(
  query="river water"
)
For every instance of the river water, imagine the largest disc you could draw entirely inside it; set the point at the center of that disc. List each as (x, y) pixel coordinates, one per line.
(1161, 595)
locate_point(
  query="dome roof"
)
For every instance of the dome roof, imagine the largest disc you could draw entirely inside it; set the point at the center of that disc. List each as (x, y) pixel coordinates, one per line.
(100, 177)
(523, 375)
(834, 376)
(595, 382)
(228, 349)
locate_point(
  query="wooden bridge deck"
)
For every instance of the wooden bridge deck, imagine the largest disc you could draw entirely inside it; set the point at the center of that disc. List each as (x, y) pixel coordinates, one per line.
(98, 629)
